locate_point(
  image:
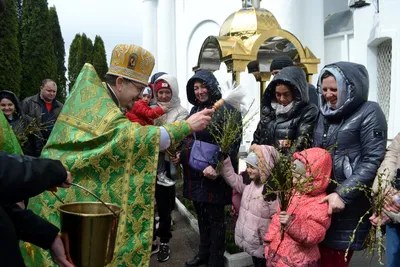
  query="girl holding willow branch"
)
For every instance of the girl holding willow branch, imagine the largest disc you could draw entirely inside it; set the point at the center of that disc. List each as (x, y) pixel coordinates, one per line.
(306, 220)
(256, 211)
(208, 190)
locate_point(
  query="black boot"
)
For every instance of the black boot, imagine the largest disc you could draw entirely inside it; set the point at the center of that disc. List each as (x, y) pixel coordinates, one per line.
(195, 262)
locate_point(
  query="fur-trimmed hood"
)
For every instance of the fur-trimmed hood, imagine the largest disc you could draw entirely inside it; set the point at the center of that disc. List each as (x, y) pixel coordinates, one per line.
(267, 156)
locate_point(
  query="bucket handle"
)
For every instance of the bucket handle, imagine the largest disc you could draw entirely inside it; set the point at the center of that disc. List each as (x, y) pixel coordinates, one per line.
(88, 191)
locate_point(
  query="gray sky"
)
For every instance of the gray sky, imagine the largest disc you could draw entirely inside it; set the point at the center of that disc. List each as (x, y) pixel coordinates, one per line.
(117, 21)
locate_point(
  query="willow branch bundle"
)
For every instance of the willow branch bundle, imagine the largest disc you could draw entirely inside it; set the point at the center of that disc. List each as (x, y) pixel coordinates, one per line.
(232, 122)
(32, 128)
(281, 182)
(226, 134)
(374, 243)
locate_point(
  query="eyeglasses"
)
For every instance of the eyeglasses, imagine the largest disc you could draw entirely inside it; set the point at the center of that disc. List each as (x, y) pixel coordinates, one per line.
(139, 86)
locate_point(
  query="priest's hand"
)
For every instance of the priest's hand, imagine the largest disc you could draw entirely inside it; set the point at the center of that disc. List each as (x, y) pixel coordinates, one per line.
(200, 120)
(210, 172)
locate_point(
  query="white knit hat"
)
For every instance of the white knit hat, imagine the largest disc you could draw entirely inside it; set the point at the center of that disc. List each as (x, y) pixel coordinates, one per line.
(252, 159)
(147, 91)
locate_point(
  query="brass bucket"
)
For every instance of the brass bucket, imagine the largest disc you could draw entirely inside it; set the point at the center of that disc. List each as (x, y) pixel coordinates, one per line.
(88, 230)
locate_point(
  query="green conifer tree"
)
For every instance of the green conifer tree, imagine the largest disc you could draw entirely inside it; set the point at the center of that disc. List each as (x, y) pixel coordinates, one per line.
(59, 51)
(74, 60)
(10, 63)
(2, 5)
(80, 52)
(99, 57)
(19, 9)
(87, 49)
(38, 58)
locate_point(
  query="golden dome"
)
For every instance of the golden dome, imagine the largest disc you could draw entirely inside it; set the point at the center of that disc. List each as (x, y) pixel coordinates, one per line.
(247, 22)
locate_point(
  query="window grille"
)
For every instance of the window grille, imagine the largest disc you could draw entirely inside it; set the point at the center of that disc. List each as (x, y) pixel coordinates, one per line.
(384, 75)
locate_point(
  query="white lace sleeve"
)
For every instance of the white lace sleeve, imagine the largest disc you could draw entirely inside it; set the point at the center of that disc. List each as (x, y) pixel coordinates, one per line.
(165, 140)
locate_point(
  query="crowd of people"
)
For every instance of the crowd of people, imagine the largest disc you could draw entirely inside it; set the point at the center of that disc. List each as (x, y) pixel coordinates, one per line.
(126, 138)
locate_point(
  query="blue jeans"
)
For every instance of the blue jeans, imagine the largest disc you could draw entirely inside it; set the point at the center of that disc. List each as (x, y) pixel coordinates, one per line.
(393, 245)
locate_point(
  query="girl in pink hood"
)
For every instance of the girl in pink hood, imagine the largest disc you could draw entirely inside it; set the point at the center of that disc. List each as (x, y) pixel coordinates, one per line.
(255, 212)
(306, 220)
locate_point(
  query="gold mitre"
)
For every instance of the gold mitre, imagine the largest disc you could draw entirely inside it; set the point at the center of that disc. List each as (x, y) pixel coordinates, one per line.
(131, 62)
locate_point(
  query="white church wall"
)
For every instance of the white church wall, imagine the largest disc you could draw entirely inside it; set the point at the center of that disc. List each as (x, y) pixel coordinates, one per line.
(372, 28)
(166, 37)
(351, 47)
(339, 47)
(195, 21)
(363, 19)
(304, 19)
(191, 52)
(252, 88)
(333, 49)
(149, 22)
(388, 26)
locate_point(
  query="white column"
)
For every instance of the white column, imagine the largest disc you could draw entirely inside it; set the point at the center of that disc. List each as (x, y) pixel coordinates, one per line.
(149, 26)
(304, 19)
(166, 37)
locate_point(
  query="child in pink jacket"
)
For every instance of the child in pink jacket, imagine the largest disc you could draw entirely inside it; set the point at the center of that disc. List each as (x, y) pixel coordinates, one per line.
(255, 212)
(306, 220)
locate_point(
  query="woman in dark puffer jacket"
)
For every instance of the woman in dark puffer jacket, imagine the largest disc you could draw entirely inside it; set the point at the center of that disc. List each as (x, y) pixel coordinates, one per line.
(287, 118)
(354, 131)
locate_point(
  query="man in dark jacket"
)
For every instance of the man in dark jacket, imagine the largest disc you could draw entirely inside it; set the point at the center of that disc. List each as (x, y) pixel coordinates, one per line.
(354, 131)
(282, 62)
(287, 119)
(23, 177)
(208, 191)
(43, 107)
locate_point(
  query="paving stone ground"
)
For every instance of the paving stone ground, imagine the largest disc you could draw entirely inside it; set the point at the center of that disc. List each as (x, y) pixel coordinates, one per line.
(183, 245)
(185, 240)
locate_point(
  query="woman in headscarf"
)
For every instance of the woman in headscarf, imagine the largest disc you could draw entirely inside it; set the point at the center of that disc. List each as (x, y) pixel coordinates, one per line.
(166, 92)
(26, 130)
(354, 131)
